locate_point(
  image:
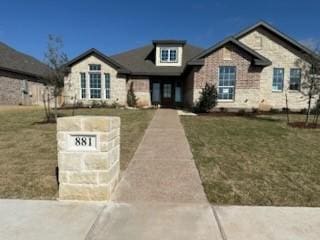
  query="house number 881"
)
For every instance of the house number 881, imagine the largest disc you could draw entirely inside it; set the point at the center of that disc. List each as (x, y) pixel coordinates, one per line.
(83, 141)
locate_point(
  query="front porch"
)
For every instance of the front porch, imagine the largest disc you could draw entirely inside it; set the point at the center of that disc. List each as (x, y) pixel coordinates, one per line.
(166, 92)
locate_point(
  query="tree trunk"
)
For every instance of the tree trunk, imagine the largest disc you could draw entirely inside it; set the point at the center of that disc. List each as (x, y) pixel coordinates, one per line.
(309, 107)
(56, 108)
(49, 107)
(287, 109)
(45, 106)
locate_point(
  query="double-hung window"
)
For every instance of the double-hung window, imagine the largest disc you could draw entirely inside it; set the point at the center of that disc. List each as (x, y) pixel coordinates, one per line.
(169, 55)
(107, 84)
(227, 80)
(95, 85)
(295, 79)
(83, 85)
(278, 77)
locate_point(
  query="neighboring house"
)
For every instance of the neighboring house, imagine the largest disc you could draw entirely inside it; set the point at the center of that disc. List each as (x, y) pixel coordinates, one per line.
(22, 78)
(252, 69)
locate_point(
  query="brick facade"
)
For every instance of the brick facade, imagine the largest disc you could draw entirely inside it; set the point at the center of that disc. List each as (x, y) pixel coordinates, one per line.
(141, 87)
(247, 80)
(11, 90)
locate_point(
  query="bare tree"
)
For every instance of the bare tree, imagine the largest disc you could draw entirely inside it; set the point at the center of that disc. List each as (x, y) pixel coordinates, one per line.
(310, 86)
(56, 59)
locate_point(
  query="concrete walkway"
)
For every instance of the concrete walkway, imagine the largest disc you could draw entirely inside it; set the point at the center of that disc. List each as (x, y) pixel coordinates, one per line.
(160, 196)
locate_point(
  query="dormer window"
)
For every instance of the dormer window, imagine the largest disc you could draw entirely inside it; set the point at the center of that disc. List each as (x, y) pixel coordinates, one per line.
(169, 55)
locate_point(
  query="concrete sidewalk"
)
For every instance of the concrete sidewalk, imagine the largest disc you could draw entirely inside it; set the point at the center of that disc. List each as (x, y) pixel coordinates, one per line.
(50, 220)
(269, 223)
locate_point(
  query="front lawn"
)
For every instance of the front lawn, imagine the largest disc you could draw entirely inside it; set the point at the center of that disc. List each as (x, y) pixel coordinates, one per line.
(256, 161)
(28, 155)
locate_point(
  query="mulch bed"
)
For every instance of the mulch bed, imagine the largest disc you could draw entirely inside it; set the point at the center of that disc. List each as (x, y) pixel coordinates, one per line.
(227, 114)
(302, 125)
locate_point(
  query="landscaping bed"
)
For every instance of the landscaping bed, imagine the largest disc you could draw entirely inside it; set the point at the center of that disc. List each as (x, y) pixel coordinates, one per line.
(256, 160)
(28, 151)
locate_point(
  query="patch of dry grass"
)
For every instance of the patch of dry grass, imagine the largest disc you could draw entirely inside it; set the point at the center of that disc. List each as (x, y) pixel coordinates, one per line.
(256, 161)
(28, 157)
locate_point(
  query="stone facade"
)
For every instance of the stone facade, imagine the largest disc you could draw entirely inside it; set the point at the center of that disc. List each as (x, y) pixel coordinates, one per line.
(13, 92)
(247, 77)
(141, 87)
(253, 84)
(92, 174)
(282, 56)
(72, 87)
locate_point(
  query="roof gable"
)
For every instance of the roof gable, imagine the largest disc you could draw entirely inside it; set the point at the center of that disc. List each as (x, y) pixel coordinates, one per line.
(102, 57)
(279, 34)
(258, 59)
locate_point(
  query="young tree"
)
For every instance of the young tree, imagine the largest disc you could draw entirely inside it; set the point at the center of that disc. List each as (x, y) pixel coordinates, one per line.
(310, 86)
(208, 99)
(56, 59)
(131, 97)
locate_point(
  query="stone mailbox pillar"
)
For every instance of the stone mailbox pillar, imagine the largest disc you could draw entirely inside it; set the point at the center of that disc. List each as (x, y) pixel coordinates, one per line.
(88, 157)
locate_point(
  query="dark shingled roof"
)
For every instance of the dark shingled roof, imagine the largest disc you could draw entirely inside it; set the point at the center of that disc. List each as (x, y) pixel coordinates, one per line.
(169, 41)
(140, 61)
(14, 61)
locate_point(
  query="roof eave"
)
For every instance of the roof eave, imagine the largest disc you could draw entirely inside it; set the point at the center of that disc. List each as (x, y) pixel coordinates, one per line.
(104, 57)
(262, 63)
(39, 77)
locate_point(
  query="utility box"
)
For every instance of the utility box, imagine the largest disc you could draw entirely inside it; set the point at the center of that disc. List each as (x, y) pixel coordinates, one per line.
(88, 157)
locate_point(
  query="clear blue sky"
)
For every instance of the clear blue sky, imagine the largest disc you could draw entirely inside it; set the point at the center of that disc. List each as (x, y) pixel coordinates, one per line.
(115, 26)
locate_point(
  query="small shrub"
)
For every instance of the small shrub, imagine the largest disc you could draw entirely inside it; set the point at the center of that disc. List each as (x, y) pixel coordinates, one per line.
(223, 110)
(303, 111)
(95, 104)
(255, 110)
(274, 110)
(316, 108)
(115, 104)
(131, 97)
(207, 100)
(241, 112)
(104, 104)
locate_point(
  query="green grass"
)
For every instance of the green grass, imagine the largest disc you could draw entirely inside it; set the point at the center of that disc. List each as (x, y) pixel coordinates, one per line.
(256, 161)
(28, 156)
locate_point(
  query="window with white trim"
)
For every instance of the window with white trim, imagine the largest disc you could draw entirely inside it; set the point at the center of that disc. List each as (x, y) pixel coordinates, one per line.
(83, 85)
(107, 84)
(169, 55)
(278, 78)
(295, 79)
(227, 80)
(94, 67)
(95, 85)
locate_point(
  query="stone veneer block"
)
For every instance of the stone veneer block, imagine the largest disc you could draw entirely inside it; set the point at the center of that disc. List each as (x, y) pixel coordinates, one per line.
(88, 157)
